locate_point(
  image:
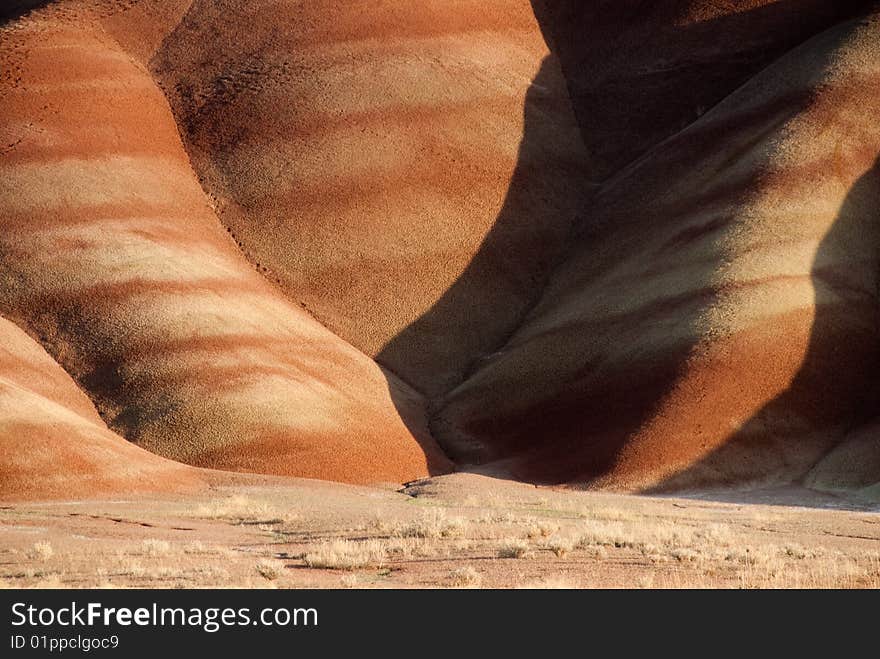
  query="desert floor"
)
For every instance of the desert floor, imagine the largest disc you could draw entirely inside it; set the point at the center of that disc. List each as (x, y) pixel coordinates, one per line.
(461, 530)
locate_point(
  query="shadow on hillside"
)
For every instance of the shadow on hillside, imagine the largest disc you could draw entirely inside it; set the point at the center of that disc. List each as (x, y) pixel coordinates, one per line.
(836, 388)
(479, 310)
(584, 429)
(633, 87)
(14, 9)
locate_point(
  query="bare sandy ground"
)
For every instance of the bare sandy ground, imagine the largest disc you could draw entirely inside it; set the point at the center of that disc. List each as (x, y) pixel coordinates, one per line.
(453, 531)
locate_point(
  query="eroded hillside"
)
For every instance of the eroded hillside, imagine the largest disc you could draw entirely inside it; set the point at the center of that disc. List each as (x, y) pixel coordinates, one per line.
(622, 244)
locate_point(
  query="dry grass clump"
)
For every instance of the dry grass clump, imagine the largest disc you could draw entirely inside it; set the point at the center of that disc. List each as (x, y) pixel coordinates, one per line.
(41, 551)
(234, 507)
(199, 548)
(656, 538)
(433, 524)
(836, 574)
(346, 555)
(269, 569)
(408, 548)
(799, 552)
(465, 577)
(496, 517)
(685, 555)
(605, 514)
(180, 574)
(239, 508)
(381, 525)
(607, 534)
(513, 549)
(540, 529)
(561, 547)
(153, 547)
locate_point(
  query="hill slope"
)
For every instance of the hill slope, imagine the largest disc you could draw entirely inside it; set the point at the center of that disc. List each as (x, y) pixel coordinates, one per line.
(617, 244)
(716, 318)
(53, 444)
(112, 254)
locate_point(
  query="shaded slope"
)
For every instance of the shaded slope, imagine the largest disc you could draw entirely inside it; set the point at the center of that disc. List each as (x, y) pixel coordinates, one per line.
(854, 465)
(110, 252)
(687, 302)
(832, 398)
(53, 444)
(640, 71)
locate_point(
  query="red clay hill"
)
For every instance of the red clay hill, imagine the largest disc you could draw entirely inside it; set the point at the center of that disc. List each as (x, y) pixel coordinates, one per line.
(611, 244)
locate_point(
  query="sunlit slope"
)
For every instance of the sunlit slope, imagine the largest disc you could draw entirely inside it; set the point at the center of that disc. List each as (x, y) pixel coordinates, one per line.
(408, 171)
(113, 256)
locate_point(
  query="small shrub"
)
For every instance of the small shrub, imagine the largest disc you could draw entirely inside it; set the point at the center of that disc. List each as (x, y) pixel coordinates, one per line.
(541, 529)
(561, 547)
(433, 524)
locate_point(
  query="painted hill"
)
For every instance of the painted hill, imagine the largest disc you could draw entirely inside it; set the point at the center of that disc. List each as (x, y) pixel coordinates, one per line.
(370, 157)
(617, 244)
(112, 255)
(716, 317)
(53, 444)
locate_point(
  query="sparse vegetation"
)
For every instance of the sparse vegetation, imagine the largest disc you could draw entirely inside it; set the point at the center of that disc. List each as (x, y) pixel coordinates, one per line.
(561, 547)
(432, 524)
(240, 509)
(41, 551)
(406, 542)
(269, 569)
(199, 548)
(513, 549)
(346, 555)
(153, 547)
(541, 529)
(464, 577)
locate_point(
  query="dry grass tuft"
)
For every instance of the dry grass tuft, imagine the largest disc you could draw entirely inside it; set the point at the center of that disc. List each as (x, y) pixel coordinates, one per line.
(465, 577)
(433, 524)
(269, 569)
(154, 548)
(241, 509)
(201, 549)
(347, 555)
(561, 547)
(513, 549)
(41, 551)
(541, 529)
